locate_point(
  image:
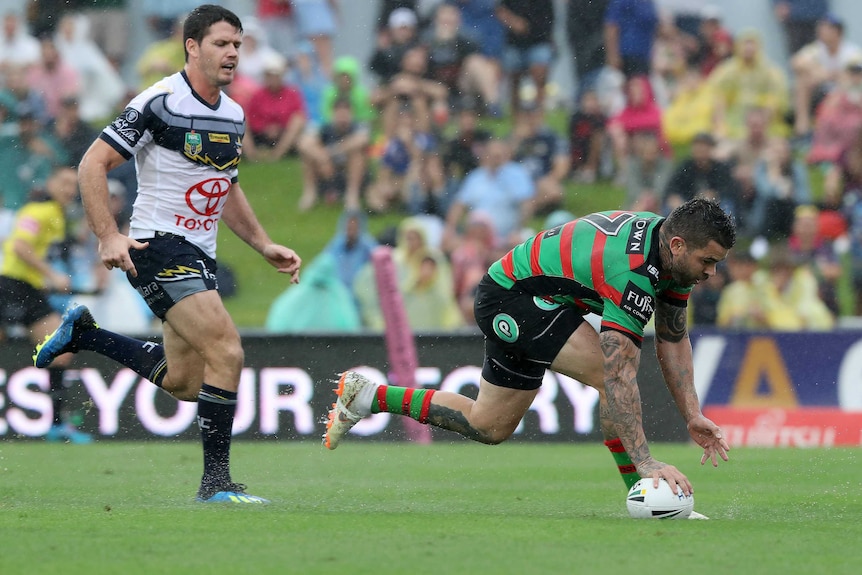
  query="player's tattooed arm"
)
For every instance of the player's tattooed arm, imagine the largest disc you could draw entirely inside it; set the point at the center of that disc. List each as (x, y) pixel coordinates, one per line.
(454, 420)
(621, 361)
(673, 349)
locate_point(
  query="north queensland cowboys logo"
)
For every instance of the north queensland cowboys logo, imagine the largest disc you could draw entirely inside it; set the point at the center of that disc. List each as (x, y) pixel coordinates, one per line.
(193, 144)
(506, 328)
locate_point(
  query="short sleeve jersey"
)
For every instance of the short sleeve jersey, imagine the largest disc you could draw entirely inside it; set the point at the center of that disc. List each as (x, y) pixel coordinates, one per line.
(186, 153)
(39, 224)
(607, 263)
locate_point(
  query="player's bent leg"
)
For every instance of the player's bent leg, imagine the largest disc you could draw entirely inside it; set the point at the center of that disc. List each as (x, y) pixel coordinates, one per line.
(490, 419)
(185, 366)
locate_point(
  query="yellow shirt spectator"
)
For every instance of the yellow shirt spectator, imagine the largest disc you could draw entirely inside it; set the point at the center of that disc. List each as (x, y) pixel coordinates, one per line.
(39, 224)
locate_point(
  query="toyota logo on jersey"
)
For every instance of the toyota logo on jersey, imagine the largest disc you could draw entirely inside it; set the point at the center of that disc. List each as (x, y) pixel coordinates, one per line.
(205, 198)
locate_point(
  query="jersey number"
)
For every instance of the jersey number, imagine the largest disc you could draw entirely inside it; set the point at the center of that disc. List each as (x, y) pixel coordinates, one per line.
(610, 226)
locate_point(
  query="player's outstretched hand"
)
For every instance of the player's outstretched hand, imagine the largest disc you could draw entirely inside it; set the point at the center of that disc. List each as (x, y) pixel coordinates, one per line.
(114, 252)
(709, 436)
(284, 260)
(659, 470)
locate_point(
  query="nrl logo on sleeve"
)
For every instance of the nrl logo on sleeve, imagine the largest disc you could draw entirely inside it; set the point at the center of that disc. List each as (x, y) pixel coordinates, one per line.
(637, 237)
(638, 303)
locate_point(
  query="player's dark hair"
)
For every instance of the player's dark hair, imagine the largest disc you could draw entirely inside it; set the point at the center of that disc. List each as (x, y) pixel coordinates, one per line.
(199, 20)
(699, 221)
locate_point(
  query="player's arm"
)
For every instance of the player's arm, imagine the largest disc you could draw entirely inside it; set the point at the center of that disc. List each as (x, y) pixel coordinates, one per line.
(621, 362)
(93, 170)
(240, 218)
(26, 252)
(673, 349)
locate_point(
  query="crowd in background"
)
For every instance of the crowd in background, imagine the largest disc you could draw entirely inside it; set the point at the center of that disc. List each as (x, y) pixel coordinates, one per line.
(458, 134)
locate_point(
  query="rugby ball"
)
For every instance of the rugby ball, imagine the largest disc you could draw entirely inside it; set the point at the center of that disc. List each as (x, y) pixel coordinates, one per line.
(647, 502)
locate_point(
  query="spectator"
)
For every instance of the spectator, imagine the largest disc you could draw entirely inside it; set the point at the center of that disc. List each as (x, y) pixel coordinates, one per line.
(108, 24)
(387, 7)
(352, 246)
(320, 304)
(410, 170)
(470, 260)
(839, 117)
(391, 47)
(275, 18)
(17, 47)
(316, 23)
(480, 23)
(347, 85)
(500, 188)
(648, 171)
(52, 78)
(690, 110)
(799, 19)
(411, 88)
(12, 193)
(714, 42)
(461, 153)
(587, 137)
(162, 58)
(455, 61)
(584, 27)
(817, 67)
(791, 292)
(782, 185)
(101, 88)
(305, 73)
(741, 304)
(746, 80)
(701, 175)
(276, 115)
(640, 114)
(543, 153)
(255, 51)
(334, 159)
(811, 248)
(162, 16)
(704, 300)
(630, 30)
(73, 134)
(842, 186)
(754, 143)
(529, 48)
(26, 98)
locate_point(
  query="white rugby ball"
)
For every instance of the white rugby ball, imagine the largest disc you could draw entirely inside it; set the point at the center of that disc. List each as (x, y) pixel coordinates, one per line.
(647, 502)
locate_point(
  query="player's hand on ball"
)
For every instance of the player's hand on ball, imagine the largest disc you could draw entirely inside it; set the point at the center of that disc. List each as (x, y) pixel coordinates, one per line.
(709, 436)
(659, 470)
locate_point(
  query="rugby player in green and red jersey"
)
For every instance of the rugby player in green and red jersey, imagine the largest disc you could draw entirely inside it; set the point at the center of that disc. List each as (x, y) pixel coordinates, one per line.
(624, 266)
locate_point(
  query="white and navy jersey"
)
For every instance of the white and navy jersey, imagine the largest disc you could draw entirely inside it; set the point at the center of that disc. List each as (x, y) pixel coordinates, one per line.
(186, 154)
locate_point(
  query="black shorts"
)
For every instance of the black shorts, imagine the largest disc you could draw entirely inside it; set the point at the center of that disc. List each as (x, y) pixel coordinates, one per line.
(21, 303)
(169, 269)
(523, 334)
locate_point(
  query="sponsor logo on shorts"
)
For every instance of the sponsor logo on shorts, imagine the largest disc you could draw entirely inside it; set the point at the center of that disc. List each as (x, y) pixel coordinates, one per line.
(546, 304)
(506, 328)
(178, 273)
(219, 138)
(637, 303)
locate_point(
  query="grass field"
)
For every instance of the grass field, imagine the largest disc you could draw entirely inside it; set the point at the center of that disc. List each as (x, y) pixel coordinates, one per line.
(401, 508)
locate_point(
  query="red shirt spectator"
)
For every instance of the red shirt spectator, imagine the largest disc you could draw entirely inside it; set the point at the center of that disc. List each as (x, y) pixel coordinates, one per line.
(268, 108)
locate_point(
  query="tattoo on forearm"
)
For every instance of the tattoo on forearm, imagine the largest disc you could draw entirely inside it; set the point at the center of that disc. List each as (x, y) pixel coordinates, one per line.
(622, 359)
(453, 420)
(670, 322)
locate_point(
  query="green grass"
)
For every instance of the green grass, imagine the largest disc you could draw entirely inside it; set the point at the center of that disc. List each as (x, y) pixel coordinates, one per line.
(402, 508)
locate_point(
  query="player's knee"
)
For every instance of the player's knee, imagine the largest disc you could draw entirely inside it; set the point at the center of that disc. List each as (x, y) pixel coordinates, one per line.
(495, 436)
(227, 351)
(181, 389)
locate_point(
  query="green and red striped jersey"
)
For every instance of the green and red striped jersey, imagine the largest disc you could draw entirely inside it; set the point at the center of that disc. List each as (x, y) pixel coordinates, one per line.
(607, 263)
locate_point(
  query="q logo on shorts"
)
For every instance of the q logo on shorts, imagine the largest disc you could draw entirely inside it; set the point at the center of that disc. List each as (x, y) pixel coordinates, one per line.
(506, 328)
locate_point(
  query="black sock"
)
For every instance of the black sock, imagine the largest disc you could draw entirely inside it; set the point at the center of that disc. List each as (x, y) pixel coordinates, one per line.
(216, 408)
(145, 358)
(58, 393)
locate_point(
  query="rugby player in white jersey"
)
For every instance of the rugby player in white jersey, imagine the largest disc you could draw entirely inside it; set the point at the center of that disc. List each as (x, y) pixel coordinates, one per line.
(185, 135)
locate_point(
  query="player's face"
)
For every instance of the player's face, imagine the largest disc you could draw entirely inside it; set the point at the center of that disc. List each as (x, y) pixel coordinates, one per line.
(218, 53)
(692, 266)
